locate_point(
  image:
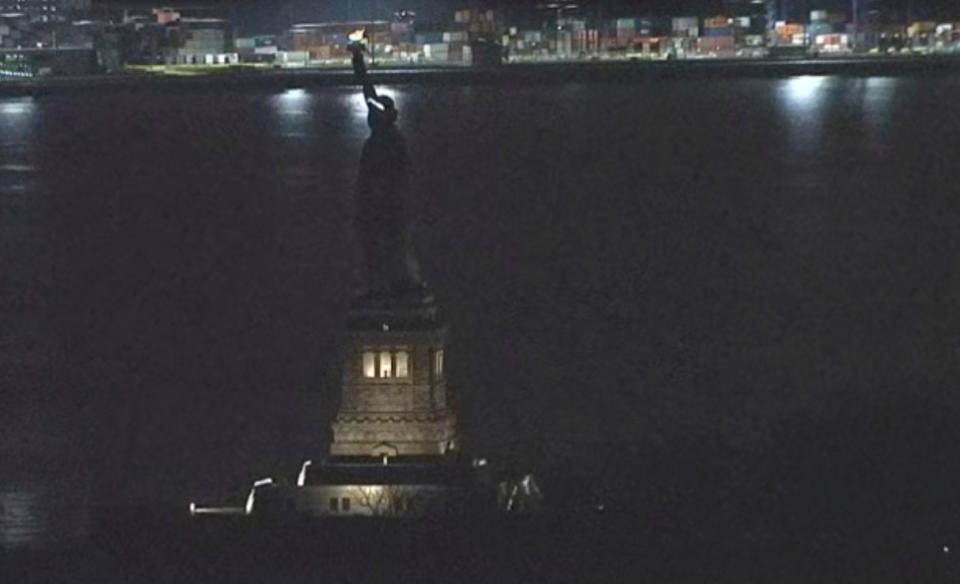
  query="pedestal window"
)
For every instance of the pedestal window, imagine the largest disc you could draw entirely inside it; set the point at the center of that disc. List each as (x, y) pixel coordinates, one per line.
(385, 364)
(402, 364)
(369, 364)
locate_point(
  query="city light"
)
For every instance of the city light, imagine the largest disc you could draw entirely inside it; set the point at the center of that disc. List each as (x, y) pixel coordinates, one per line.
(17, 168)
(566, 31)
(302, 477)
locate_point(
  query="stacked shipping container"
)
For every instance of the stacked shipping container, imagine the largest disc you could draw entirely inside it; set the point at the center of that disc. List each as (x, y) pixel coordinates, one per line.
(719, 34)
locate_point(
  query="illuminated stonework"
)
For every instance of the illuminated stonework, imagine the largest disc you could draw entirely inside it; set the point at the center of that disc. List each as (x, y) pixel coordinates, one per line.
(394, 397)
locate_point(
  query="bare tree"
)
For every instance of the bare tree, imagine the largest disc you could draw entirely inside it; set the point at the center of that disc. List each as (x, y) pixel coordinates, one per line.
(385, 500)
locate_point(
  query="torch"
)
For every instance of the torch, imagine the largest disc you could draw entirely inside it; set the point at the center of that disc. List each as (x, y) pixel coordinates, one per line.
(357, 46)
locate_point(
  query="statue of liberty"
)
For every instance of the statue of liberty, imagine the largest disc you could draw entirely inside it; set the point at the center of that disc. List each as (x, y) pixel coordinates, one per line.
(383, 221)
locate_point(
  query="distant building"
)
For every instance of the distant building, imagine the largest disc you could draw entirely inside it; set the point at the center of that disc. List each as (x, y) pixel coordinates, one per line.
(876, 36)
(200, 41)
(328, 40)
(472, 39)
(47, 10)
(257, 49)
(34, 62)
(20, 30)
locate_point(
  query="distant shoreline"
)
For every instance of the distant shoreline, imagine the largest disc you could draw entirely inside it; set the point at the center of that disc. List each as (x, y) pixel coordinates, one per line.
(577, 72)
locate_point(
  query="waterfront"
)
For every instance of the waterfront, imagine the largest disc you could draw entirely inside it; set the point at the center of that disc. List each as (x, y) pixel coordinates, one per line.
(724, 305)
(561, 72)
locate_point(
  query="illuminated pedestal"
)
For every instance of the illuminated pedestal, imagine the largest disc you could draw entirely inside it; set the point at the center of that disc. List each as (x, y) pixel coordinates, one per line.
(394, 397)
(395, 449)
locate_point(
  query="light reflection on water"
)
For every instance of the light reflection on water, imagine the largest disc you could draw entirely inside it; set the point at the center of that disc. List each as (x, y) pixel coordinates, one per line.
(802, 101)
(804, 91)
(294, 109)
(293, 102)
(37, 517)
(21, 107)
(21, 520)
(17, 117)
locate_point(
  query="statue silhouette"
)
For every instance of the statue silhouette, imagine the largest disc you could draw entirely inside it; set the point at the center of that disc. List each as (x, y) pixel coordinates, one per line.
(383, 220)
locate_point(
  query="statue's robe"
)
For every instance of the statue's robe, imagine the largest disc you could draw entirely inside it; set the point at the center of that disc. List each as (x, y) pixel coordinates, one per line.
(383, 223)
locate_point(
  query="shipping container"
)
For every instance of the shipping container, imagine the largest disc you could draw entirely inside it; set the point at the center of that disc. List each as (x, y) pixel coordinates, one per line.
(572, 24)
(653, 25)
(428, 38)
(716, 22)
(587, 40)
(718, 32)
(684, 23)
(921, 28)
(439, 51)
(436, 50)
(453, 37)
(716, 44)
(293, 56)
(819, 28)
(833, 39)
(789, 29)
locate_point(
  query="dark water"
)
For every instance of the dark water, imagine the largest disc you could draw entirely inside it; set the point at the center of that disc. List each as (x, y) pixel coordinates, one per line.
(725, 307)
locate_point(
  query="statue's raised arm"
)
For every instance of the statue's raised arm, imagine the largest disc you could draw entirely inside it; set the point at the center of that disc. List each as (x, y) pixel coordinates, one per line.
(358, 47)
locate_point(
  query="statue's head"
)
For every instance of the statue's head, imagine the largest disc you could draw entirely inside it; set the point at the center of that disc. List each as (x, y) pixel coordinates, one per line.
(382, 114)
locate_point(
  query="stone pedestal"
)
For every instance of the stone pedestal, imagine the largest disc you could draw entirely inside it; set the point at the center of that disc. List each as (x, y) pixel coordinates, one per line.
(394, 397)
